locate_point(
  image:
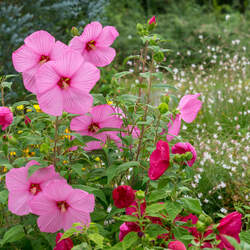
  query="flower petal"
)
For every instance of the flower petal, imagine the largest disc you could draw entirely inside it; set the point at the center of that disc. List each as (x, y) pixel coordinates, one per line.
(81, 200)
(76, 101)
(80, 123)
(107, 36)
(18, 202)
(47, 77)
(91, 31)
(51, 102)
(174, 128)
(24, 58)
(86, 77)
(29, 79)
(77, 44)
(41, 42)
(101, 56)
(58, 51)
(189, 107)
(43, 174)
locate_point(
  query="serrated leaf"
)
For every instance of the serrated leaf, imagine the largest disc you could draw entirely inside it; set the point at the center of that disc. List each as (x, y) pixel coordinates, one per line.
(97, 239)
(155, 208)
(173, 209)
(128, 218)
(192, 205)
(155, 230)
(70, 232)
(82, 246)
(13, 234)
(129, 240)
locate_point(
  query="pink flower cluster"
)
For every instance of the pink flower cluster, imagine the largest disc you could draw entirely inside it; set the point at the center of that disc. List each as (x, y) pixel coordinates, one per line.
(46, 194)
(62, 76)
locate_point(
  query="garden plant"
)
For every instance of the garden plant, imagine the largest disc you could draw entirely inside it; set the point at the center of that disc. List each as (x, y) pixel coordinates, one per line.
(90, 169)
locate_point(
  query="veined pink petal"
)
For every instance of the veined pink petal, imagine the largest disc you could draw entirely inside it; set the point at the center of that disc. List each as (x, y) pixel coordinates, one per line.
(81, 123)
(74, 216)
(77, 44)
(58, 51)
(18, 200)
(107, 36)
(69, 63)
(24, 58)
(174, 128)
(102, 112)
(189, 107)
(58, 190)
(51, 101)
(86, 77)
(82, 200)
(47, 77)
(51, 222)
(76, 101)
(43, 174)
(16, 179)
(42, 205)
(91, 31)
(29, 79)
(41, 42)
(93, 145)
(101, 56)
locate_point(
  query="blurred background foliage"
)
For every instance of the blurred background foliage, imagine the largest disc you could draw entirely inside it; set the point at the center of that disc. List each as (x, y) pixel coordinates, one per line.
(185, 24)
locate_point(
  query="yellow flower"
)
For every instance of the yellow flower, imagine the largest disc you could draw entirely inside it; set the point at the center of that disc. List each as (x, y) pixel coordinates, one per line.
(65, 162)
(28, 110)
(5, 169)
(20, 107)
(83, 169)
(67, 131)
(37, 108)
(19, 131)
(12, 153)
(97, 159)
(110, 102)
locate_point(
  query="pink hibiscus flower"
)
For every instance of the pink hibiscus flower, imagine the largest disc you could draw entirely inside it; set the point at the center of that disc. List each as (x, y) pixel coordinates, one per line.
(101, 116)
(22, 189)
(64, 85)
(6, 117)
(59, 206)
(159, 160)
(188, 107)
(94, 43)
(39, 48)
(182, 148)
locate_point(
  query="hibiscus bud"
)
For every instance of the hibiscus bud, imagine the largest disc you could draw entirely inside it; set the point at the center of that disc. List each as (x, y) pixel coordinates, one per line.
(163, 108)
(201, 227)
(207, 220)
(151, 23)
(140, 29)
(27, 120)
(123, 196)
(178, 158)
(74, 31)
(158, 57)
(140, 195)
(152, 20)
(165, 99)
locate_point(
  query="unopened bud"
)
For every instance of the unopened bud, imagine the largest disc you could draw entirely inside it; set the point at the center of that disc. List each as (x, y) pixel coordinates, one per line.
(188, 156)
(158, 57)
(163, 108)
(165, 99)
(74, 31)
(140, 195)
(201, 227)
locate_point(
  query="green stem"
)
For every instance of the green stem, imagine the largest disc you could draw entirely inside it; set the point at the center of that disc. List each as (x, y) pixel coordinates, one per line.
(55, 141)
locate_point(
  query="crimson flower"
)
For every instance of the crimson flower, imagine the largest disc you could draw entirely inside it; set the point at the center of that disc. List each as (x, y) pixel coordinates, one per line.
(6, 117)
(176, 245)
(123, 196)
(159, 160)
(65, 244)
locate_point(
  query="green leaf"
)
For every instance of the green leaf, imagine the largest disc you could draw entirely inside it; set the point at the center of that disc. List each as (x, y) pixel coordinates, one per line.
(129, 58)
(97, 239)
(70, 232)
(82, 246)
(129, 240)
(245, 236)
(111, 129)
(173, 209)
(152, 209)
(155, 229)
(127, 97)
(121, 74)
(7, 84)
(167, 68)
(157, 195)
(128, 218)
(13, 234)
(97, 192)
(233, 242)
(192, 205)
(114, 170)
(4, 196)
(34, 168)
(77, 168)
(163, 85)
(82, 140)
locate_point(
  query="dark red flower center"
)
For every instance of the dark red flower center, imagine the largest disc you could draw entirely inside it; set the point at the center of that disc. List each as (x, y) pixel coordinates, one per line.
(64, 82)
(93, 127)
(90, 45)
(44, 59)
(35, 188)
(62, 205)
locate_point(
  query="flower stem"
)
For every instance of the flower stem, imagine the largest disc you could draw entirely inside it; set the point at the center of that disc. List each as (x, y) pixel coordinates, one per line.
(55, 141)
